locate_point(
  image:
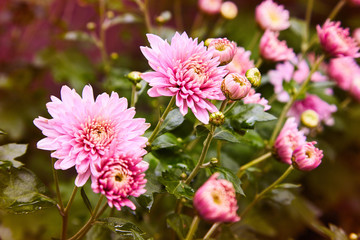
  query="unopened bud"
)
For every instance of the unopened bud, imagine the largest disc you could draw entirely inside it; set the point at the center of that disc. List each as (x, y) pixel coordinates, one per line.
(208, 41)
(114, 56)
(214, 161)
(91, 26)
(217, 118)
(210, 6)
(229, 10)
(235, 86)
(163, 17)
(110, 14)
(254, 76)
(183, 176)
(310, 118)
(134, 76)
(138, 86)
(224, 49)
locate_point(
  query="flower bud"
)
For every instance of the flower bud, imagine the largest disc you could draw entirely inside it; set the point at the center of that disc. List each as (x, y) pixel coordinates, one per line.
(217, 118)
(307, 157)
(224, 49)
(138, 86)
(208, 41)
(229, 10)
(110, 14)
(235, 86)
(310, 118)
(114, 55)
(214, 161)
(254, 76)
(134, 76)
(210, 6)
(91, 26)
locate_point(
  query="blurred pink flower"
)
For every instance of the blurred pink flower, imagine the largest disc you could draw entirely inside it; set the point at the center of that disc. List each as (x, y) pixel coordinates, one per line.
(241, 62)
(307, 157)
(271, 48)
(224, 49)
(210, 6)
(119, 176)
(354, 2)
(235, 86)
(356, 35)
(288, 140)
(336, 40)
(254, 97)
(82, 130)
(272, 16)
(215, 200)
(187, 70)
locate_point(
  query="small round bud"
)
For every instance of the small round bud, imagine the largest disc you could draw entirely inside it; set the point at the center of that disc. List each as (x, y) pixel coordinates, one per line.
(229, 10)
(180, 140)
(208, 41)
(224, 49)
(217, 118)
(183, 200)
(138, 86)
(183, 176)
(110, 14)
(353, 236)
(114, 55)
(163, 17)
(310, 118)
(134, 76)
(235, 86)
(214, 161)
(254, 76)
(91, 26)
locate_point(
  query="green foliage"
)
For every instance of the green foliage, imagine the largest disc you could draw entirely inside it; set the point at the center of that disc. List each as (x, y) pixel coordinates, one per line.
(172, 121)
(179, 223)
(175, 185)
(227, 174)
(122, 227)
(9, 152)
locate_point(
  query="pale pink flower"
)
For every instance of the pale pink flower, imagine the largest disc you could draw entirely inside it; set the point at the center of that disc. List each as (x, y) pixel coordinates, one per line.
(229, 10)
(313, 102)
(356, 35)
(187, 70)
(288, 140)
(241, 62)
(210, 6)
(215, 200)
(254, 97)
(272, 16)
(235, 86)
(336, 40)
(224, 49)
(120, 175)
(307, 157)
(83, 129)
(271, 48)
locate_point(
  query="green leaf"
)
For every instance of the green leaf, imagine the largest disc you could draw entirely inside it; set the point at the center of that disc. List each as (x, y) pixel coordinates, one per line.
(172, 121)
(98, 232)
(174, 185)
(77, 36)
(201, 130)
(230, 176)
(122, 227)
(250, 137)
(179, 223)
(226, 135)
(21, 191)
(166, 140)
(10, 151)
(298, 27)
(86, 200)
(246, 115)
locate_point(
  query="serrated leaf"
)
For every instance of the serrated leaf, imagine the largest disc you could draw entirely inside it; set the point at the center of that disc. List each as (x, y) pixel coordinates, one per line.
(246, 115)
(175, 186)
(122, 227)
(125, 18)
(166, 140)
(86, 200)
(10, 151)
(172, 121)
(179, 223)
(230, 176)
(21, 191)
(77, 36)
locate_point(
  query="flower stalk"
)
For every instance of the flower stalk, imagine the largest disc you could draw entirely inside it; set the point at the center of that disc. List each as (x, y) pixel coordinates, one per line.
(193, 228)
(242, 169)
(211, 230)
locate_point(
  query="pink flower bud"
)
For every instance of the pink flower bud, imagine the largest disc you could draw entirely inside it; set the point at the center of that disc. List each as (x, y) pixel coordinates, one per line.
(271, 48)
(215, 200)
(307, 157)
(229, 10)
(210, 6)
(235, 86)
(224, 49)
(272, 16)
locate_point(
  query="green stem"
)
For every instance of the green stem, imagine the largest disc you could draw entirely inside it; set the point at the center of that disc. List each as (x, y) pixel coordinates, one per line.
(211, 230)
(254, 40)
(66, 213)
(193, 228)
(336, 9)
(218, 150)
(102, 44)
(56, 181)
(223, 105)
(161, 120)
(259, 62)
(269, 188)
(133, 95)
(232, 105)
(203, 155)
(252, 163)
(292, 100)
(144, 8)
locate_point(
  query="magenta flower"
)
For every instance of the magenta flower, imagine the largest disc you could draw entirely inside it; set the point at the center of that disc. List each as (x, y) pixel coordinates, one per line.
(336, 40)
(288, 140)
(307, 157)
(271, 48)
(119, 176)
(210, 6)
(187, 70)
(235, 86)
(224, 49)
(215, 200)
(241, 62)
(254, 97)
(82, 130)
(272, 16)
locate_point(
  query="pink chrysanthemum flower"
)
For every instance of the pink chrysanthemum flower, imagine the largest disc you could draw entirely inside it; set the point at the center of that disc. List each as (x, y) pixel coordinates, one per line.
(210, 6)
(271, 48)
(307, 157)
(272, 16)
(187, 70)
(336, 40)
(215, 200)
(254, 97)
(235, 86)
(83, 129)
(119, 176)
(241, 62)
(224, 49)
(288, 140)
(313, 102)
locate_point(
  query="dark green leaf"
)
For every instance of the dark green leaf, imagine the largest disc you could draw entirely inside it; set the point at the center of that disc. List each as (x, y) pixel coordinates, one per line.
(179, 223)
(249, 137)
(122, 227)
(298, 26)
(172, 121)
(77, 36)
(226, 135)
(230, 176)
(174, 185)
(166, 140)
(9, 152)
(86, 200)
(21, 192)
(246, 115)
(201, 130)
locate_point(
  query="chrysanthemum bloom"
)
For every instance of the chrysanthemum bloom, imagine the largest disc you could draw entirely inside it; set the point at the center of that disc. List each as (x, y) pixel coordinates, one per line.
(241, 62)
(224, 49)
(235, 86)
(187, 70)
(271, 48)
(82, 130)
(254, 97)
(336, 40)
(215, 200)
(119, 176)
(210, 6)
(313, 102)
(344, 71)
(288, 140)
(307, 157)
(272, 16)
(228, 10)
(356, 35)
